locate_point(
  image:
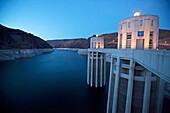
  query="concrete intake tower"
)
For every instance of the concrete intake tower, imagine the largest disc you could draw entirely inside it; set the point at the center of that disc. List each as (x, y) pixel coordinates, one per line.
(138, 71)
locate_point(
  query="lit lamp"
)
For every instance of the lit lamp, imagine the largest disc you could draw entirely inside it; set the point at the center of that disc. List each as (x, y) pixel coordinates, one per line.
(137, 13)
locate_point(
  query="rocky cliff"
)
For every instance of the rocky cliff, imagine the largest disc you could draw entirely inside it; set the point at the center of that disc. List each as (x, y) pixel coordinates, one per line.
(110, 41)
(15, 43)
(17, 39)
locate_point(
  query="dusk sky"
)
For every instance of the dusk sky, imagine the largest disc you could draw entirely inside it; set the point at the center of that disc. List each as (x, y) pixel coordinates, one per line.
(65, 19)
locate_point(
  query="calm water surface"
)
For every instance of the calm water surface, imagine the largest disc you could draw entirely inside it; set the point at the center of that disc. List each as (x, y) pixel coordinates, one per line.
(49, 83)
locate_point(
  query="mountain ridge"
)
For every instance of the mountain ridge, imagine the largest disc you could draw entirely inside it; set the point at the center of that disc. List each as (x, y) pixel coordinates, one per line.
(110, 41)
(18, 39)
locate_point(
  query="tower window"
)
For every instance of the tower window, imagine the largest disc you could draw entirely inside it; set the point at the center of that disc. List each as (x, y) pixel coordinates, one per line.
(95, 45)
(91, 44)
(120, 41)
(151, 34)
(128, 24)
(141, 22)
(140, 33)
(151, 40)
(129, 35)
(128, 40)
(152, 23)
(98, 45)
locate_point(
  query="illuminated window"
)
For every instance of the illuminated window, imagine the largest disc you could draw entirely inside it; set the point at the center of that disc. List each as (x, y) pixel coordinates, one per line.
(140, 33)
(128, 40)
(152, 23)
(98, 45)
(141, 22)
(128, 24)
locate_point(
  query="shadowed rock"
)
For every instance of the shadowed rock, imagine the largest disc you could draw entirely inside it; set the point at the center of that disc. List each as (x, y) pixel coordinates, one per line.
(17, 39)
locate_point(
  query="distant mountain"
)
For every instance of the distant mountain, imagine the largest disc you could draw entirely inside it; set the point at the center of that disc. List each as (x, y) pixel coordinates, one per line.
(17, 39)
(110, 39)
(110, 42)
(69, 43)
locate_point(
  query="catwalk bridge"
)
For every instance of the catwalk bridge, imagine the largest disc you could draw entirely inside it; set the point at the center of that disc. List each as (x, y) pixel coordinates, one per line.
(156, 61)
(137, 78)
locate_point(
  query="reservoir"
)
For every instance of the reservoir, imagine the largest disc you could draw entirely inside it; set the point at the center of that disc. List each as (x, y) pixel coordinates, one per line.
(49, 83)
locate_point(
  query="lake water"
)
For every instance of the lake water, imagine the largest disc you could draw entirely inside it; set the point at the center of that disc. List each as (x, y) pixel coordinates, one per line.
(49, 83)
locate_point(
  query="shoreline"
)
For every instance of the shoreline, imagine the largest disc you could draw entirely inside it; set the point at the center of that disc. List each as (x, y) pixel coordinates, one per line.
(79, 50)
(12, 54)
(67, 49)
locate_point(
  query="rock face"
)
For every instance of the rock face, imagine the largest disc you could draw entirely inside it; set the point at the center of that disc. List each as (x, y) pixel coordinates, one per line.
(17, 39)
(164, 41)
(110, 41)
(15, 43)
(163, 34)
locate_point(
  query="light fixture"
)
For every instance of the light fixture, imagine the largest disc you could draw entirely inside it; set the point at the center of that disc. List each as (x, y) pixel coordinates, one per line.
(136, 13)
